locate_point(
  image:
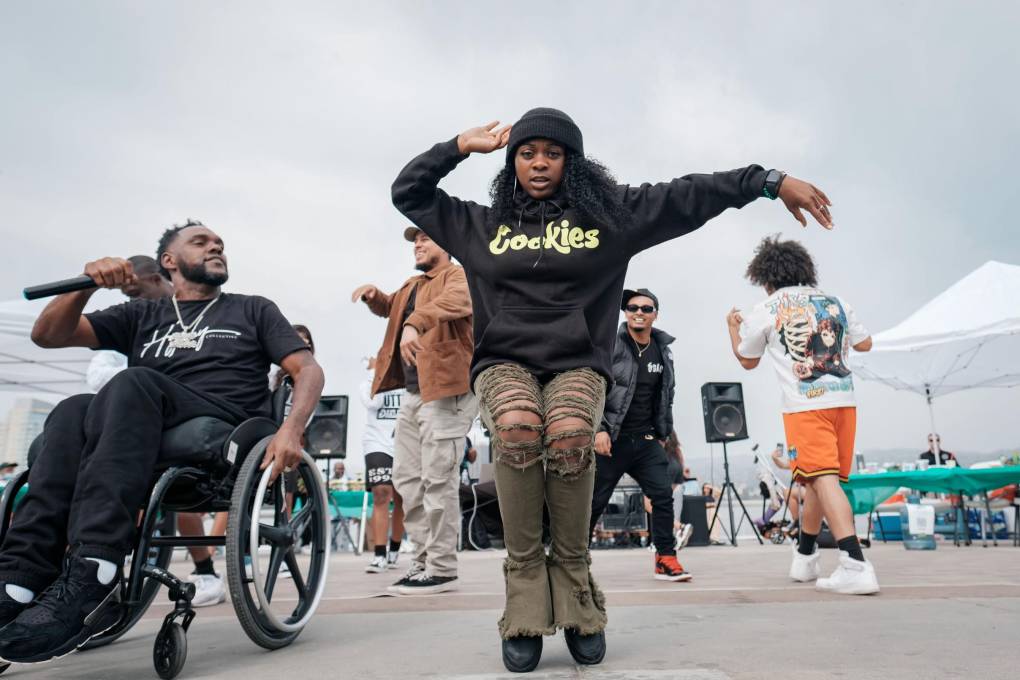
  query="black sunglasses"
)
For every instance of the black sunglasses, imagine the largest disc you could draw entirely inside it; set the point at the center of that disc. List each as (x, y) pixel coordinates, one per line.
(647, 309)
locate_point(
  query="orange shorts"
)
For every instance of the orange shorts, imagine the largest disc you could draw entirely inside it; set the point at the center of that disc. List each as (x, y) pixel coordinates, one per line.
(821, 442)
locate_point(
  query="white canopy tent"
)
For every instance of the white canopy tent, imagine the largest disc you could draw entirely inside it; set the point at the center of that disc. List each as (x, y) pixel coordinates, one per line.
(966, 337)
(30, 369)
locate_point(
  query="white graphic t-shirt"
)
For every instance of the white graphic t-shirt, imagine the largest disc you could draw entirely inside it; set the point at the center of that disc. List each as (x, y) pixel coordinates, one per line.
(381, 418)
(808, 334)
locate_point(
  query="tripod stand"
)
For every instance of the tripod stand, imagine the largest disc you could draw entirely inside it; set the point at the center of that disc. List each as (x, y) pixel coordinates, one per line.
(728, 488)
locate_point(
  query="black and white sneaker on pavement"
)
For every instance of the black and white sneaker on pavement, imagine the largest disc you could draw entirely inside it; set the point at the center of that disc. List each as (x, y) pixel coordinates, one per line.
(9, 607)
(416, 570)
(74, 609)
(426, 584)
(391, 560)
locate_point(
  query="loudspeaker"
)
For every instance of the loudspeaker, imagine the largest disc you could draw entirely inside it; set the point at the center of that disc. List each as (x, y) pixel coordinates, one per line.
(326, 434)
(723, 407)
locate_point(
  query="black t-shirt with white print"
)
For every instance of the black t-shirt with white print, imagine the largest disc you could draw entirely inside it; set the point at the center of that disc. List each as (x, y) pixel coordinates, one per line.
(239, 337)
(640, 415)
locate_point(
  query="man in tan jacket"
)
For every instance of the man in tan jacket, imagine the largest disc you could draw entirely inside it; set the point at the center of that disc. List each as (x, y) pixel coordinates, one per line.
(427, 350)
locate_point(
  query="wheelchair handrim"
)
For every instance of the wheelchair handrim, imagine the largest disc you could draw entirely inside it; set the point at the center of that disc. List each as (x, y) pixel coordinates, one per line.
(253, 546)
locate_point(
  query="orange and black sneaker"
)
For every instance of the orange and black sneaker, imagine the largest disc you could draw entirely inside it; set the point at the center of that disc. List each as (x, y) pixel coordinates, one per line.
(668, 568)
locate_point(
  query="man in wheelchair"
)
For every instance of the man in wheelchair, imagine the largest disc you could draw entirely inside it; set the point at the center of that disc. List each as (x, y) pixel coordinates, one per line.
(200, 353)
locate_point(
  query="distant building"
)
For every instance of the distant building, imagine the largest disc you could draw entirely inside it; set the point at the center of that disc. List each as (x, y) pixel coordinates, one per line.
(24, 423)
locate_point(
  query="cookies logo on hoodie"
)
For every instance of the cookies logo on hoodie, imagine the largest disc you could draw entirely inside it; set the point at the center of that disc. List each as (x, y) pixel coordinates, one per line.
(559, 237)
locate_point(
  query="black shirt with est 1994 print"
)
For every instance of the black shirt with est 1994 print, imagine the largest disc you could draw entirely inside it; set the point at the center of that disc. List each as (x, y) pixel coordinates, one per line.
(237, 340)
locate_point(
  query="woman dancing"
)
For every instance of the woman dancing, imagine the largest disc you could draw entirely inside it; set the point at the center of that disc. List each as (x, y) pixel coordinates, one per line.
(546, 265)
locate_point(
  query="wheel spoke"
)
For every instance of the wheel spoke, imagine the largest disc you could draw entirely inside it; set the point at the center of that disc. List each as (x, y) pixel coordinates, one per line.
(278, 507)
(272, 535)
(299, 522)
(295, 573)
(275, 560)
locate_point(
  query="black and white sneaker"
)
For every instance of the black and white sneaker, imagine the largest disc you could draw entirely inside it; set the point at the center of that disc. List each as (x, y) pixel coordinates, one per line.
(415, 571)
(426, 584)
(9, 607)
(74, 609)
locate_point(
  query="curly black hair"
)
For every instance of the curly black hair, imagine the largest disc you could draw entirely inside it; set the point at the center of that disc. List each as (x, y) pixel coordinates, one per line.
(588, 187)
(168, 237)
(778, 264)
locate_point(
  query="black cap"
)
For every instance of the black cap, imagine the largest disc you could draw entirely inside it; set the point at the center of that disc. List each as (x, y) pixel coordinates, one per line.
(628, 294)
(548, 124)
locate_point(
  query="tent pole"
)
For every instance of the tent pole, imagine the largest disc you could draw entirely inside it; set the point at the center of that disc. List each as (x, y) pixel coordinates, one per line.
(931, 415)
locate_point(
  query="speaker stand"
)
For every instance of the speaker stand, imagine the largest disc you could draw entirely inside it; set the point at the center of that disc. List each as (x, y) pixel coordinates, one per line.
(729, 492)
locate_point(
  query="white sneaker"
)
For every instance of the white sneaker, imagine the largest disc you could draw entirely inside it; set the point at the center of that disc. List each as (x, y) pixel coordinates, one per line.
(377, 566)
(805, 568)
(391, 560)
(850, 578)
(683, 536)
(209, 590)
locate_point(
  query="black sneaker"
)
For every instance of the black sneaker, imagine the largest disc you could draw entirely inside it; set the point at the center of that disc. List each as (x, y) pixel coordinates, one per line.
(424, 584)
(416, 570)
(9, 607)
(68, 614)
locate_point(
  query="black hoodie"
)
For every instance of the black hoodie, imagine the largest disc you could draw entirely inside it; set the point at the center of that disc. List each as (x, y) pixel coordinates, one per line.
(546, 290)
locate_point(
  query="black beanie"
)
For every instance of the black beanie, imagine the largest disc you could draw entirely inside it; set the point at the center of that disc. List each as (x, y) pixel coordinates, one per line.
(548, 124)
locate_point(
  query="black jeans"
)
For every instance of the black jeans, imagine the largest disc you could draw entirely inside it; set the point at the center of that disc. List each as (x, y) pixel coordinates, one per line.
(645, 461)
(92, 475)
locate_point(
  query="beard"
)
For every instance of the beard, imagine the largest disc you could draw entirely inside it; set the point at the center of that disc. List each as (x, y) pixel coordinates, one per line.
(426, 266)
(201, 275)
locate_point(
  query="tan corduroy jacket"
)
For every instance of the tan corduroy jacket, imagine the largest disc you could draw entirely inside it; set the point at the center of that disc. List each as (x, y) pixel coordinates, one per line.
(442, 316)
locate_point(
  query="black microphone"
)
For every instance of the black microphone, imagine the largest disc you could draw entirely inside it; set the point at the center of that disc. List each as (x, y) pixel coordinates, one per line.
(82, 282)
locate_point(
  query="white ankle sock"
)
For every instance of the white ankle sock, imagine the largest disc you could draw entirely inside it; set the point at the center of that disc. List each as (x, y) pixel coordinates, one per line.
(107, 570)
(19, 594)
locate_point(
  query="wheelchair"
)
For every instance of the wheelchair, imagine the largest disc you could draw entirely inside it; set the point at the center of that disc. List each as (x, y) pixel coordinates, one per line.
(209, 465)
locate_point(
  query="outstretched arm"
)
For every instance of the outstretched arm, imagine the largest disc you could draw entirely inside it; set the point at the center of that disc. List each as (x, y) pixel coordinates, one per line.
(670, 209)
(417, 195)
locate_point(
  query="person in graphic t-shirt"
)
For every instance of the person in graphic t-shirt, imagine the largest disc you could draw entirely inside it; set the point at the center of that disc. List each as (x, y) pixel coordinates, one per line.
(638, 418)
(377, 444)
(808, 334)
(546, 263)
(202, 352)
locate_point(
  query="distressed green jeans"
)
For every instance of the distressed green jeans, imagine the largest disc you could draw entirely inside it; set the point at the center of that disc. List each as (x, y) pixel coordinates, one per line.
(543, 438)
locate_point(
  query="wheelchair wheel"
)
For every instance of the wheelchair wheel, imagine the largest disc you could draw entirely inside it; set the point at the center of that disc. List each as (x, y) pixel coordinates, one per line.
(158, 556)
(269, 616)
(170, 651)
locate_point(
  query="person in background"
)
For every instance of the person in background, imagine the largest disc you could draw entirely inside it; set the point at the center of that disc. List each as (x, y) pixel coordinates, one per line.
(427, 350)
(638, 419)
(339, 472)
(470, 456)
(935, 449)
(675, 474)
(377, 444)
(808, 335)
(796, 495)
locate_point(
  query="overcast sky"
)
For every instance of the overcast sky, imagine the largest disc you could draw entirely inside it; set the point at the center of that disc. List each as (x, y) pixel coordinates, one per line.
(282, 125)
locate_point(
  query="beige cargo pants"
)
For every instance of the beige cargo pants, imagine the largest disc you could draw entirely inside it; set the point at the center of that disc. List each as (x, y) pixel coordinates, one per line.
(428, 446)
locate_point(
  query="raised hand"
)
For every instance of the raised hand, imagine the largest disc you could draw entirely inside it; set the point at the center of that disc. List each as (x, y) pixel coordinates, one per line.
(364, 293)
(483, 139)
(734, 318)
(797, 194)
(111, 272)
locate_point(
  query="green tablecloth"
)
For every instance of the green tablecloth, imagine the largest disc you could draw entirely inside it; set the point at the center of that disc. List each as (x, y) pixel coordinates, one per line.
(349, 503)
(866, 491)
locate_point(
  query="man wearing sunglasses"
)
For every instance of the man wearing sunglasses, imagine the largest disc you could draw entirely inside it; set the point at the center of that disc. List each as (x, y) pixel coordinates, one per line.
(637, 420)
(935, 451)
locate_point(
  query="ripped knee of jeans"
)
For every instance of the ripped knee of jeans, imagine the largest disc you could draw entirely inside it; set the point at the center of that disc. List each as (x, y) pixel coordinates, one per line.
(573, 408)
(511, 398)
